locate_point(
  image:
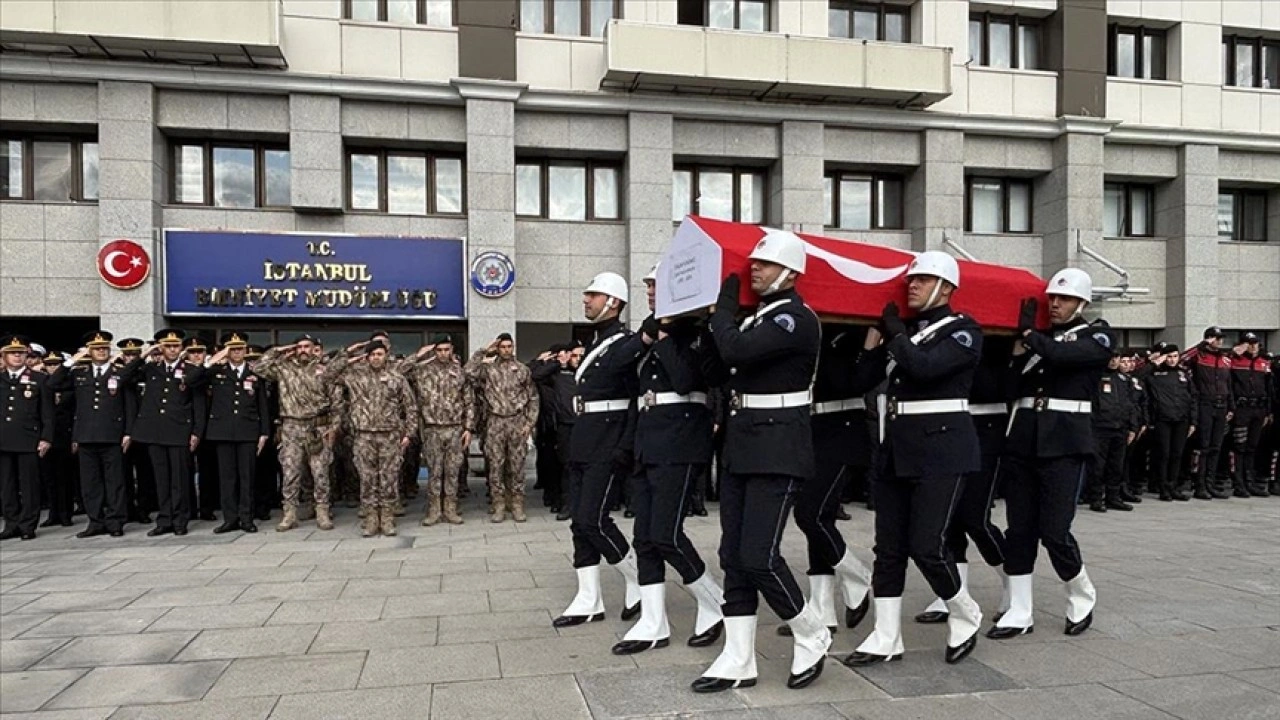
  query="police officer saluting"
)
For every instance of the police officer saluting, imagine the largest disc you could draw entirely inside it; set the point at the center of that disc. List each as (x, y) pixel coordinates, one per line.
(26, 435)
(771, 358)
(929, 445)
(1050, 444)
(238, 428)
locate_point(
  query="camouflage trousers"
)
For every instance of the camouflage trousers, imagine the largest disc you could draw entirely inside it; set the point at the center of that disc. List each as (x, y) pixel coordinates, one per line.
(442, 456)
(378, 456)
(303, 448)
(504, 450)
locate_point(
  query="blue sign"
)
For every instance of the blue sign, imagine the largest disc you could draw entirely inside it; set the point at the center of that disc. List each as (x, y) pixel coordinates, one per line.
(313, 276)
(492, 274)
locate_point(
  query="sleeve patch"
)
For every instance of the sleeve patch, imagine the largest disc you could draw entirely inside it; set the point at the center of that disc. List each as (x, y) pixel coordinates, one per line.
(785, 321)
(963, 337)
(1103, 339)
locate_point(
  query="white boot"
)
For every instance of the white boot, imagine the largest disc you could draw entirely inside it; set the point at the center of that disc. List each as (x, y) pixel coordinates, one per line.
(884, 644)
(1081, 598)
(812, 637)
(937, 610)
(1003, 607)
(709, 623)
(736, 665)
(822, 596)
(855, 585)
(964, 619)
(627, 566)
(652, 630)
(587, 605)
(1018, 619)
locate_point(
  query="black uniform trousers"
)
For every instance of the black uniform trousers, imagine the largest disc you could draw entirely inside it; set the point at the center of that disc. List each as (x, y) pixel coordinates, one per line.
(102, 485)
(171, 466)
(204, 480)
(913, 518)
(1246, 430)
(1211, 431)
(594, 487)
(237, 466)
(139, 481)
(1040, 502)
(20, 490)
(817, 504)
(753, 515)
(266, 480)
(58, 483)
(661, 493)
(1166, 461)
(1107, 472)
(564, 487)
(972, 516)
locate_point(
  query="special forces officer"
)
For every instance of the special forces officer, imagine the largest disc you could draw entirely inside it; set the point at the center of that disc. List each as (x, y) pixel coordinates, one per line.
(239, 426)
(446, 413)
(26, 434)
(929, 444)
(511, 411)
(771, 358)
(1050, 443)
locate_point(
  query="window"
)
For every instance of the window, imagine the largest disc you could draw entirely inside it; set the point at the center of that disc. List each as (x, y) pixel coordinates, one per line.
(998, 205)
(1250, 62)
(729, 14)
(1127, 210)
(404, 182)
(869, 21)
(48, 169)
(1004, 41)
(1242, 215)
(567, 190)
(1136, 52)
(585, 18)
(437, 13)
(856, 201)
(719, 193)
(230, 175)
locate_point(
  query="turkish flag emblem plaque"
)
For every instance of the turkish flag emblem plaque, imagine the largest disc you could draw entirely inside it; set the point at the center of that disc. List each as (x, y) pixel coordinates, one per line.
(123, 264)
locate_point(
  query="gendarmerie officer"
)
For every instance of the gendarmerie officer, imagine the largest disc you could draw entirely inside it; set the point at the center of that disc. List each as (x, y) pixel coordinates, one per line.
(26, 435)
(238, 428)
(59, 474)
(1115, 418)
(602, 451)
(102, 431)
(1172, 406)
(1251, 386)
(672, 449)
(1210, 367)
(771, 359)
(139, 482)
(1050, 441)
(168, 425)
(205, 495)
(929, 445)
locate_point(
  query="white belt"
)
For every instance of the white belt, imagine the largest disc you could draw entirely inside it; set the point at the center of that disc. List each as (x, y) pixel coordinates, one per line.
(653, 399)
(988, 409)
(599, 406)
(776, 401)
(1054, 405)
(929, 407)
(835, 406)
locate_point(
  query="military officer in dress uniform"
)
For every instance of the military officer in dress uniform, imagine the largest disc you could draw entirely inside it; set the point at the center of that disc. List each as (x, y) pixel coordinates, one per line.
(169, 425)
(238, 428)
(672, 448)
(26, 435)
(770, 358)
(1050, 442)
(602, 451)
(928, 445)
(139, 482)
(101, 432)
(58, 473)
(205, 495)
(266, 476)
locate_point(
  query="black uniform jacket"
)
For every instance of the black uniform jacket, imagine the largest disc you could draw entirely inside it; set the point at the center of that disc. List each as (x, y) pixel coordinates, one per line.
(840, 437)
(238, 409)
(777, 352)
(28, 411)
(1210, 370)
(1115, 403)
(1068, 367)
(609, 375)
(168, 403)
(940, 366)
(100, 404)
(1171, 396)
(680, 433)
(556, 390)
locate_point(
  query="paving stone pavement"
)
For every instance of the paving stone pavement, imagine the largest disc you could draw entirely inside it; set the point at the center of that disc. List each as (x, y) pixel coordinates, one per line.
(454, 623)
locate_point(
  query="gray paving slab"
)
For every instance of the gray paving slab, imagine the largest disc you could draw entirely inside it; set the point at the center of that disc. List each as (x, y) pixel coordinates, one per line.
(1084, 701)
(102, 650)
(105, 622)
(948, 707)
(30, 689)
(467, 582)
(925, 673)
(18, 655)
(78, 714)
(148, 580)
(132, 684)
(1267, 679)
(215, 616)
(288, 675)
(249, 708)
(216, 594)
(418, 665)
(496, 626)
(233, 643)
(461, 603)
(554, 697)
(381, 634)
(640, 692)
(1204, 697)
(251, 576)
(1169, 656)
(553, 656)
(1046, 664)
(13, 602)
(290, 591)
(394, 703)
(58, 602)
(295, 612)
(374, 587)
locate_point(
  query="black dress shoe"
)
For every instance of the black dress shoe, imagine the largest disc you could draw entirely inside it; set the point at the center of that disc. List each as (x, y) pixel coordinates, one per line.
(1004, 633)
(805, 678)
(707, 638)
(91, 532)
(631, 613)
(1181, 497)
(932, 617)
(158, 531)
(28, 534)
(10, 534)
(961, 651)
(711, 685)
(862, 659)
(208, 516)
(785, 630)
(226, 527)
(853, 616)
(1166, 497)
(249, 527)
(264, 516)
(631, 647)
(700, 511)
(116, 533)
(51, 521)
(1241, 493)
(1202, 495)
(179, 531)
(1075, 628)
(842, 514)
(1098, 506)
(66, 522)
(562, 516)
(571, 620)
(1118, 504)
(628, 513)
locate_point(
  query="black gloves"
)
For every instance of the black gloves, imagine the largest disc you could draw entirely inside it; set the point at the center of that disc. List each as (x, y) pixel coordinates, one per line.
(892, 322)
(651, 327)
(728, 300)
(1027, 315)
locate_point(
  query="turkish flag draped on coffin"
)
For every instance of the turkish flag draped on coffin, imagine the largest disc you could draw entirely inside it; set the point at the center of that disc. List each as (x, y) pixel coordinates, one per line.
(842, 278)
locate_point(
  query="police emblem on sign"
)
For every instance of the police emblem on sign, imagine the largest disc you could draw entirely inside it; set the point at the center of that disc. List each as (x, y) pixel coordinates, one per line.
(492, 274)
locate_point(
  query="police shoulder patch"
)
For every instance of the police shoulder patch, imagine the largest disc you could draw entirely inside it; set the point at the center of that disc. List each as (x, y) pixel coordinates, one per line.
(1102, 339)
(963, 337)
(785, 321)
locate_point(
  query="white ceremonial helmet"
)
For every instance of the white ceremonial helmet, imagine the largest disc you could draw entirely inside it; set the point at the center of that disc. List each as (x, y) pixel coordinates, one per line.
(652, 275)
(1071, 282)
(781, 247)
(611, 284)
(936, 264)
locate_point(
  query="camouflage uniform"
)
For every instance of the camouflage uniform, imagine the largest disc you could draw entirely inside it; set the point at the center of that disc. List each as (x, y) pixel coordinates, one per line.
(383, 412)
(446, 408)
(511, 402)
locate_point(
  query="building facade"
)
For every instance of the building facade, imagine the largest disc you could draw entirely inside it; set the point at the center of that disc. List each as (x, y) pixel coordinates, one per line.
(1139, 139)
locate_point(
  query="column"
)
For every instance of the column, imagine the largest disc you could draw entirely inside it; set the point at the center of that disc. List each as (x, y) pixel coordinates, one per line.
(650, 137)
(1190, 213)
(935, 191)
(315, 152)
(797, 201)
(1068, 202)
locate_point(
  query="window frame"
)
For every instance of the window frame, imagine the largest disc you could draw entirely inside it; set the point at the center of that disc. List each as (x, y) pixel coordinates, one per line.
(421, 19)
(544, 165)
(432, 187)
(737, 15)
(1140, 33)
(1005, 184)
(1238, 196)
(1230, 46)
(259, 149)
(1128, 188)
(881, 9)
(738, 171)
(1016, 23)
(76, 142)
(876, 178)
(549, 18)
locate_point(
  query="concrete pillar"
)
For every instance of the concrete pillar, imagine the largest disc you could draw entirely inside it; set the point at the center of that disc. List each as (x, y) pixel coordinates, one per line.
(935, 191)
(133, 167)
(315, 152)
(797, 199)
(1190, 212)
(1068, 202)
(650, 137)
